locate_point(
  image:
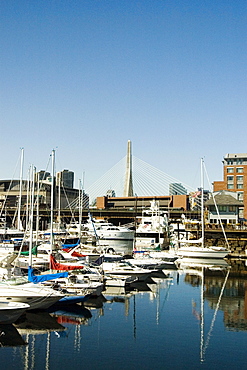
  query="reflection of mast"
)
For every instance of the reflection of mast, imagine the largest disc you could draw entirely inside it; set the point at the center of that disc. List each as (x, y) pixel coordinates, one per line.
(203, 346)
(202, 316)
(77, 338)
(215, 313)
(127, 307)
(134, 316)
(47, 358)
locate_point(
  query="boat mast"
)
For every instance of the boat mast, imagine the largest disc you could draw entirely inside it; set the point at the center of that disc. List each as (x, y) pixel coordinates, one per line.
(202, 200)
(52, 196)
(19, 226)
(31, 216)
(80, 208)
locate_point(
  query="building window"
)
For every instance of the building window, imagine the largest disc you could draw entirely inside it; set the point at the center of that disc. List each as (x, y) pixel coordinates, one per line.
(230, 178)
(241, 213)
(240, 186)
(240, 195)
(240, 179)
(230, 186)
(232, 208)
(240, 169)
(222, 208)
(230, 169)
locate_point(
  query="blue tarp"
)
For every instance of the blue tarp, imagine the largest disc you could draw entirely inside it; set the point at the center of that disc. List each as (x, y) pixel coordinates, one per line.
(70, 245)
(73, 299)
(40, 278)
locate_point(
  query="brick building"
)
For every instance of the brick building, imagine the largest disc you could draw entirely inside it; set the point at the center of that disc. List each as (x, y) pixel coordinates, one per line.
(140, 202)
(235, 179)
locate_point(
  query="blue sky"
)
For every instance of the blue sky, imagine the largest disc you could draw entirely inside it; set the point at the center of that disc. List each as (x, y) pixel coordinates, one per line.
(84, 77)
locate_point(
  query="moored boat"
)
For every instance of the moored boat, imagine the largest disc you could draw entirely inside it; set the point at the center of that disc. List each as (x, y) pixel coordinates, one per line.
(11, 311)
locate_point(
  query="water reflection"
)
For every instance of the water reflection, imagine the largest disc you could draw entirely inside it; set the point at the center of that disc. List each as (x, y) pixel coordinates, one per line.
(196, 272)
(10, 336)
(180, 317)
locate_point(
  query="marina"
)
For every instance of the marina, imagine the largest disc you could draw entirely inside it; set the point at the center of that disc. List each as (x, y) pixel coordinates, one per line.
(113, 258)
(185, 320)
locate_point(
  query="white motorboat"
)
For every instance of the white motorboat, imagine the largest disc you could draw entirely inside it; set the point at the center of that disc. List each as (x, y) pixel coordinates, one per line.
(8, 246)
(125, 268)
(147, 262)
(102, 229)
(35, 295)
(76, 230)
(120, 281)
(168, 256)
(153, 226)
(11, 311)
(79, 285)
(41, 263)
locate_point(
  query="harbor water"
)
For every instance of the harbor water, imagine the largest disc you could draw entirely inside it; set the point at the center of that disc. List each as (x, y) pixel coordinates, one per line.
(191, 319)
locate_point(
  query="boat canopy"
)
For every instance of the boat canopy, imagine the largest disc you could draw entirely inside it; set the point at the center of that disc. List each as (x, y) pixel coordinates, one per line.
(61, 266)
(41, 278)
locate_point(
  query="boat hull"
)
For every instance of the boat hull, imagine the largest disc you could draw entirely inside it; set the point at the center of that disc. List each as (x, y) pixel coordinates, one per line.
(197, 252)
(11, 311)
(36, 297)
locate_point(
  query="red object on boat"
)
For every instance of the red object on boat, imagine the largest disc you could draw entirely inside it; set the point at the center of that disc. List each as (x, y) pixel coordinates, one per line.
(61, 266)
(74, 254)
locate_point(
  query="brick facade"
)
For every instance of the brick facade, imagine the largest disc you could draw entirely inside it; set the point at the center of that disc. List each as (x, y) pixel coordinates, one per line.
(235, 178)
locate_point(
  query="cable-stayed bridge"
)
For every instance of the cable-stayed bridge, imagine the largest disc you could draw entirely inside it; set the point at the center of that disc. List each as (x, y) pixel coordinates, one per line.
(147, 180)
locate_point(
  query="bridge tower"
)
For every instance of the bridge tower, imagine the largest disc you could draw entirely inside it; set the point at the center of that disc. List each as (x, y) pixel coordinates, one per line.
(128, 183)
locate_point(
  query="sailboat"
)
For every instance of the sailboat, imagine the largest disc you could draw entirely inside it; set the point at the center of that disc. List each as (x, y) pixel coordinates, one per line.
(201, 251)
(19, 289)
(73, 292)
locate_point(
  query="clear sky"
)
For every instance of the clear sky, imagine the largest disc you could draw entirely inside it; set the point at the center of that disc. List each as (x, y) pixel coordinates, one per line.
(85, 76)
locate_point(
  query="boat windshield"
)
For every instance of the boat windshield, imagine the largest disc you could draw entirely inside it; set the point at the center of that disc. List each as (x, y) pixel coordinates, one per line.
(15, 281)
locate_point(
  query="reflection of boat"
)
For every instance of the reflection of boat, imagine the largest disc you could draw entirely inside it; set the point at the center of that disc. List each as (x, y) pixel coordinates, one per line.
(73, 298)
(10, 337)
(114, 291)
(71, 314)
(95, 302)
(197, 263)
(11, 311)
(37, 322)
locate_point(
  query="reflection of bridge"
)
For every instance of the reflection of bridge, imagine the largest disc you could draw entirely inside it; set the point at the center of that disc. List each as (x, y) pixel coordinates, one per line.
(132, 176)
